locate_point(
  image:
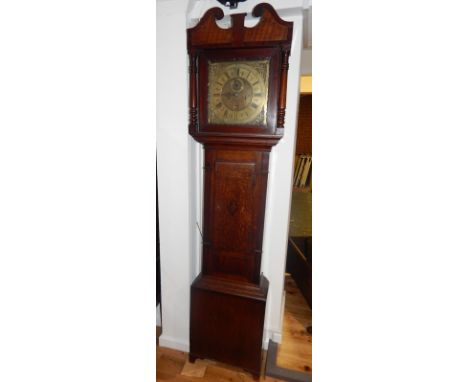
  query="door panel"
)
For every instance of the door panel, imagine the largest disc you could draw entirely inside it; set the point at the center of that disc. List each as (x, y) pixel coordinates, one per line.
(234, 191)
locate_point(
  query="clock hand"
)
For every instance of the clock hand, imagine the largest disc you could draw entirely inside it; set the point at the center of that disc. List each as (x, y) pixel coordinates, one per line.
(231, 93)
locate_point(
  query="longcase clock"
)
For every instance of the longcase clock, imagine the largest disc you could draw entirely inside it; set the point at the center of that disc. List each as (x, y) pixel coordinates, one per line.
(238, 80)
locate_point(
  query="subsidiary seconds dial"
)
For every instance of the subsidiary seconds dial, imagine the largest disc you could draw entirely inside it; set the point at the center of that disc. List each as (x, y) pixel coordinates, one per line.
(238, 92)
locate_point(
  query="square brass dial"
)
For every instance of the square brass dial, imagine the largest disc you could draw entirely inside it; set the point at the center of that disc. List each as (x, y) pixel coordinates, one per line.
(238, 92)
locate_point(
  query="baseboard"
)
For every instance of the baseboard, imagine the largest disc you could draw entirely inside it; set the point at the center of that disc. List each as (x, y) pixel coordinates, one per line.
(173, 343)
(277, 337)
(281, 373)
(273, 335)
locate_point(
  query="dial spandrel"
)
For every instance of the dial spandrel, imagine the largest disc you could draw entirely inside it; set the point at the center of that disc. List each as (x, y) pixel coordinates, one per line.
(238, 92)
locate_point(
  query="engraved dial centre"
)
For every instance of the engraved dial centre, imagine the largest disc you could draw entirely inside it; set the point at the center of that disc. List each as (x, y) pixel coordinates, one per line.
(237, 94)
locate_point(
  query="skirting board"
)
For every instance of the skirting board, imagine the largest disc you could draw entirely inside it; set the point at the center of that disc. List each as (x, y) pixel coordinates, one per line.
(172, 343)
(275, 371)
(273, 335)
(276, 335)
(268, 335)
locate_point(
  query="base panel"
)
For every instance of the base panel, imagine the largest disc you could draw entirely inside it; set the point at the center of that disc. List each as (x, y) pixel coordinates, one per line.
(226, 322)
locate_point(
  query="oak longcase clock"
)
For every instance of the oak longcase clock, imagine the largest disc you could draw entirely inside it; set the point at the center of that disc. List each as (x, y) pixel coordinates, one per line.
(238, 80)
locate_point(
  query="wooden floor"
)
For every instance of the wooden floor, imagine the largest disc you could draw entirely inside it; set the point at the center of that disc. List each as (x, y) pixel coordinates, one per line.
(295, 352)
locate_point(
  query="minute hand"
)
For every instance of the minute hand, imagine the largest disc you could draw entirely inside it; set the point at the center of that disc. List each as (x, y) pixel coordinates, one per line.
(230, 93)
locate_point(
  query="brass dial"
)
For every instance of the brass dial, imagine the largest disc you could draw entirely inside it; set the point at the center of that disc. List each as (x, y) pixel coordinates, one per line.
(238, 92)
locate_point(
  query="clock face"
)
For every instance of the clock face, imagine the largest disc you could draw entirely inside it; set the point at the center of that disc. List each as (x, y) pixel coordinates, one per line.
(238, 92)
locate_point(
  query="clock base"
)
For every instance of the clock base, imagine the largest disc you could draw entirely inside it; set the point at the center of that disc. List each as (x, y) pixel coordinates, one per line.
(226, 322)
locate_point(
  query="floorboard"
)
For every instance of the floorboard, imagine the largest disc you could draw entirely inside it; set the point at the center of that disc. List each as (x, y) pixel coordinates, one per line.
(295, 351)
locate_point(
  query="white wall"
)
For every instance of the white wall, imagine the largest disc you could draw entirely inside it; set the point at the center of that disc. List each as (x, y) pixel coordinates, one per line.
(173, 146)
(179, 171)
(279, 191)
(306, 62)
